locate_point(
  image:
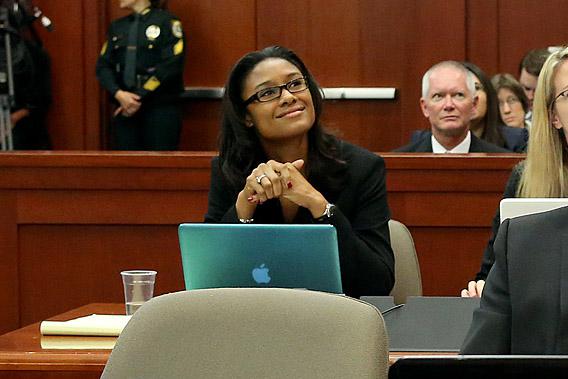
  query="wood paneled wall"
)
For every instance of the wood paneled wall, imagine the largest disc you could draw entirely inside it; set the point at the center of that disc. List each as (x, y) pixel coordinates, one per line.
(377, 43)
(70, 222)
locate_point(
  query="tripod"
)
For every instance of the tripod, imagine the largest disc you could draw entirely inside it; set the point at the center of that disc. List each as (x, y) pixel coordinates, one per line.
(6, 83)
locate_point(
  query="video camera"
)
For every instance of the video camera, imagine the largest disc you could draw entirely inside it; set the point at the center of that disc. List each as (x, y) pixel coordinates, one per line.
(22, 13)
(15, 58)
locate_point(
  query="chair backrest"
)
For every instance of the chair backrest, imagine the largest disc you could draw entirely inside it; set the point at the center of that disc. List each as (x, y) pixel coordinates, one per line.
(252, 333)
(408, 281)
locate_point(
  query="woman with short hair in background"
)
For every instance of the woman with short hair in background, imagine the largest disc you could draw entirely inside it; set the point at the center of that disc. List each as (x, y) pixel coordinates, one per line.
(487, 123)
(513, 103)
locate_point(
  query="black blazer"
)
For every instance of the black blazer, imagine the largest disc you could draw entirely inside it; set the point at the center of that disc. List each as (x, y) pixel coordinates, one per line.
(510, 191)
(361, 218)
(516, 139)
(424, 145)
(524, 307)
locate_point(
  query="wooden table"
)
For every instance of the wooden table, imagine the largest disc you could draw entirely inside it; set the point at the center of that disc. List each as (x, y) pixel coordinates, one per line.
(22, 355)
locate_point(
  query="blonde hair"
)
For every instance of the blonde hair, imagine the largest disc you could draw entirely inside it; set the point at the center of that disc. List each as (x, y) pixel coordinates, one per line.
(545, 170)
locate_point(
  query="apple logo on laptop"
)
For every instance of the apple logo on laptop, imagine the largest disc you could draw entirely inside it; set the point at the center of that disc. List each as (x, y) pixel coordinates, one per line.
(260, 274)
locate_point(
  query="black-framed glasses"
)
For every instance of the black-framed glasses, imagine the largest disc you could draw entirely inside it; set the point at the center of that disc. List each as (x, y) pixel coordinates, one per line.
(273, 93)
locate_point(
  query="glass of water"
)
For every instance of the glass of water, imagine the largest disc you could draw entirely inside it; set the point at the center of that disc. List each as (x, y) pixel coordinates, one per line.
(138, 288)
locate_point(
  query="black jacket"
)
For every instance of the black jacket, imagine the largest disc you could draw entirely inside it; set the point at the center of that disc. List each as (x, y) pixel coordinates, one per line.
(516, 139)
(424, 145)
(159, 56)
(361, 219)
(488, 254)
(524, 307)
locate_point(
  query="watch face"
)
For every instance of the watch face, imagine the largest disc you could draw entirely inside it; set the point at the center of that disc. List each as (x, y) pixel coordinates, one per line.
(327, 213)
(329, 210)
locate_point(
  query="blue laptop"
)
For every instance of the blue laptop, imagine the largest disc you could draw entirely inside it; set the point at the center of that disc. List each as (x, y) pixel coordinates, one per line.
(260, 255)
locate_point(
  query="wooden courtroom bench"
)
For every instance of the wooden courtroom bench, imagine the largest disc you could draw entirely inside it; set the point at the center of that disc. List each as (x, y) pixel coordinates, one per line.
(71, 221)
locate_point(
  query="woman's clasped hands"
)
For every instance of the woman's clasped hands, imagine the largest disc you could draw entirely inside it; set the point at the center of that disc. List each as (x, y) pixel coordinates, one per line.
(276, 180)
(272, 180)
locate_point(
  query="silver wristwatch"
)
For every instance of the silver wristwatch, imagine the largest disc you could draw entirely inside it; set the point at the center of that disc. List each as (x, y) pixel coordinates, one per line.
(327, 213)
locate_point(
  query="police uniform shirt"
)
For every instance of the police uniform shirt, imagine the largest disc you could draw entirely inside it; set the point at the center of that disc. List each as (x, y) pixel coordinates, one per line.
(159, 55)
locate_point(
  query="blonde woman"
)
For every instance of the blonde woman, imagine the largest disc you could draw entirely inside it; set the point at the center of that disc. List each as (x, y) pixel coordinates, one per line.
(523, 308)
(544, 172)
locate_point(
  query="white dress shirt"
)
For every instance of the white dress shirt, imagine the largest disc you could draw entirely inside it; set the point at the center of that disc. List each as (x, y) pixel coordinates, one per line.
(462, 148)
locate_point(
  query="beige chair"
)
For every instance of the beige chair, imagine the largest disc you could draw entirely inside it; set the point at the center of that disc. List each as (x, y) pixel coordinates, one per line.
(251, 333)
(408, 281)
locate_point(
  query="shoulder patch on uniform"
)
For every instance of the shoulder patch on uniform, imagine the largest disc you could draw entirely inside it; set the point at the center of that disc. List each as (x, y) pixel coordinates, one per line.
(178, 47)
(152, 32)
(104, 48)
(176, 28)
(151, 84)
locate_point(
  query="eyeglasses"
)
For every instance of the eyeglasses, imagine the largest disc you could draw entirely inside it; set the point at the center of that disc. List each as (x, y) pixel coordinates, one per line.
(272, 93)
(511, 100)
(561, 97)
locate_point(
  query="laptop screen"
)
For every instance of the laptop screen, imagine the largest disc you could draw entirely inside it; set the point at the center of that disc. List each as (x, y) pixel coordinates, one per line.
(260, 255)
(514, 207)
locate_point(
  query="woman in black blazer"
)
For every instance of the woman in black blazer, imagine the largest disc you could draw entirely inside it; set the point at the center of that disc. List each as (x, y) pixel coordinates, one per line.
(277, 164)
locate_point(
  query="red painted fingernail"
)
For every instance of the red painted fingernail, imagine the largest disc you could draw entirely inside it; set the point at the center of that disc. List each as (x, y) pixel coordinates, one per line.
(289, 185)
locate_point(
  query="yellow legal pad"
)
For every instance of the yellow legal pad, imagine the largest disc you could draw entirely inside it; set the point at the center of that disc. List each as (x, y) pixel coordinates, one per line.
(93, 325)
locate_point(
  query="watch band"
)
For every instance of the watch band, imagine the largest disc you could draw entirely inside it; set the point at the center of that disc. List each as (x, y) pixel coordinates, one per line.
(327, 213)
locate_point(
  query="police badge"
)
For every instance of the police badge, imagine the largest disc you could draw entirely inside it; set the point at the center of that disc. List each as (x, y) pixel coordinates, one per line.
(152, 32)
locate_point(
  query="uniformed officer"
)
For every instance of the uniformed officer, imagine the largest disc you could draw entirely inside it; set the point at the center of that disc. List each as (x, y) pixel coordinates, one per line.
(141, 65)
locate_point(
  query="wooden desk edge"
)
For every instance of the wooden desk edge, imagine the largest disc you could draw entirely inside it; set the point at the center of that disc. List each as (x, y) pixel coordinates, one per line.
(96, 360)
(50, 360)
(396, 355)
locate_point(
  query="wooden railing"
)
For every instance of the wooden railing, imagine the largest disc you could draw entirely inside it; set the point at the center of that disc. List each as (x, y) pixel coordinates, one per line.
(70, 221)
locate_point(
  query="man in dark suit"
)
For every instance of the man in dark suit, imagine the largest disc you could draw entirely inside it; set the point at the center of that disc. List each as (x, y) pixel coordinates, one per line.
(524, 307)
(448, 101)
